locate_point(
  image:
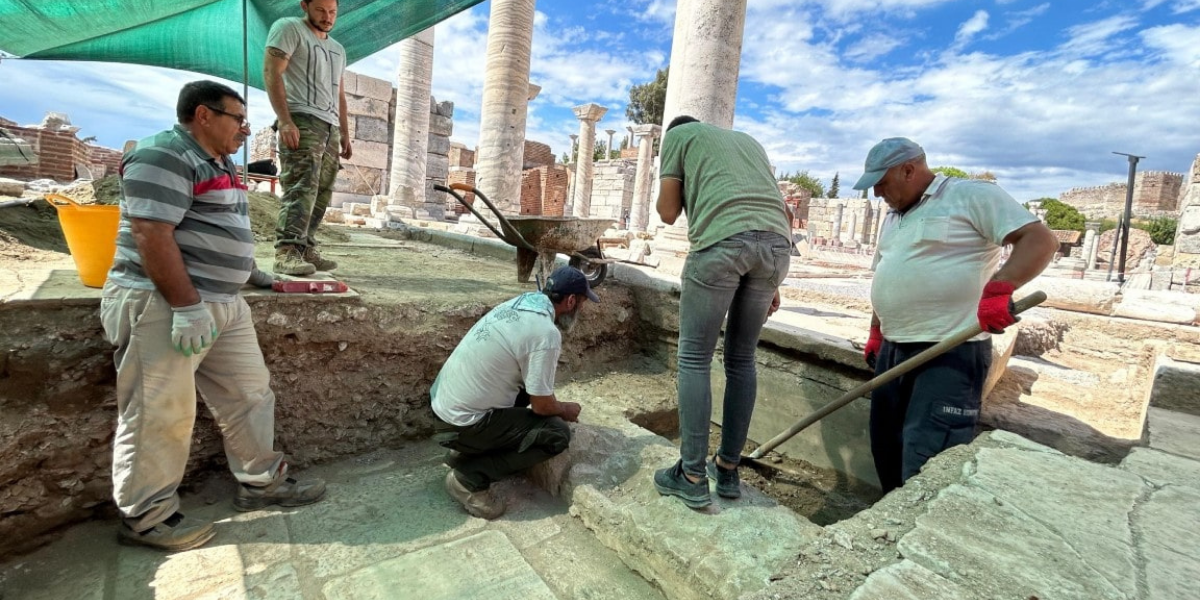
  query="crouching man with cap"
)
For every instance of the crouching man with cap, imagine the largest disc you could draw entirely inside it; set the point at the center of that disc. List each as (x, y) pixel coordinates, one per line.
(936, 275)
(494, 397)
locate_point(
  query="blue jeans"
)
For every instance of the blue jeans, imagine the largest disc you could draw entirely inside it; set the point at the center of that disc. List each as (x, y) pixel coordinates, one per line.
(738, 276)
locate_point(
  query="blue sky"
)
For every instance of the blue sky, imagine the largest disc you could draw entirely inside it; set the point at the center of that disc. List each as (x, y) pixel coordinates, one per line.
(1039, 93)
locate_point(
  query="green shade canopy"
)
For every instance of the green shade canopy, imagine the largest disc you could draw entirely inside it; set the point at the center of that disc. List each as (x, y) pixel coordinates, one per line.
(204, 36)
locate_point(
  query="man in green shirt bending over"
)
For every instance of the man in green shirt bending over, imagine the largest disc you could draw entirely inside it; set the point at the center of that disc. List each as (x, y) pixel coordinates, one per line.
(740, 246)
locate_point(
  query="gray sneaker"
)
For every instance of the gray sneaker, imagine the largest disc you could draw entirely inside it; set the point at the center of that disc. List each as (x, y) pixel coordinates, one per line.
(479, 504)
(285, 492)
(729, 485)
(313, 257)
(672, 482)
(172, 535)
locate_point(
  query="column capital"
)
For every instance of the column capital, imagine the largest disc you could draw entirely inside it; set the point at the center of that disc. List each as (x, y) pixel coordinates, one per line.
(534, 90)
(610, 131)
(647, 129)
(589, 112)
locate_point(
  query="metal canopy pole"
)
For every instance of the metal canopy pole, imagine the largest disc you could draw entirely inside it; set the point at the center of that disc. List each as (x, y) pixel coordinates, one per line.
(1133, 161)
(246, 87)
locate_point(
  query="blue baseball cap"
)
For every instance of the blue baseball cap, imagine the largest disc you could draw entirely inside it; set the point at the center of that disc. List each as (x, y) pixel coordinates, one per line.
(885, 155)
(567, 281)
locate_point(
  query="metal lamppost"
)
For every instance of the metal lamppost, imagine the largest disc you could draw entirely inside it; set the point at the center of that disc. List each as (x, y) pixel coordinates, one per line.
(1124, 233)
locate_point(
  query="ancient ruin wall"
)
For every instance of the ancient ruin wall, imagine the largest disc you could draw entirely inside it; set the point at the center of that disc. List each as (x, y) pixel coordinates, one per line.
(1155, 194)
(349, 378)
(612, 188)
(59, 151)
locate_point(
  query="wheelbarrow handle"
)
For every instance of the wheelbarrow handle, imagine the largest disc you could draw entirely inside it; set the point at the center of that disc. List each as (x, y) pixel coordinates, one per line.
(510, 234)
(928, 354)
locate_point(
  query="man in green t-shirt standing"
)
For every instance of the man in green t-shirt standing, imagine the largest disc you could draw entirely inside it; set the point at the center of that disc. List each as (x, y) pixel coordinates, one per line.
(740, 252)
(302, 70)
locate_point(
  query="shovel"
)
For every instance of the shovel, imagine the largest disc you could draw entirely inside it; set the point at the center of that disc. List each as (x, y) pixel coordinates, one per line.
(930, 353)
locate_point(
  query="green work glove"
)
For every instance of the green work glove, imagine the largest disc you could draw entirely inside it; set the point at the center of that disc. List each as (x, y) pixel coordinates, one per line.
(192, 328)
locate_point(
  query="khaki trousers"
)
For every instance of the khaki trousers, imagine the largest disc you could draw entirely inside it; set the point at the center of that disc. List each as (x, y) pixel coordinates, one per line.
(156, 401)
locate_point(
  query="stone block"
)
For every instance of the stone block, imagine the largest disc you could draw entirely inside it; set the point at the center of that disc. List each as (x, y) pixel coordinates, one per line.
(343, 198)
(334, 215)
(438, 167)
(374, 88)
(11, 187)
(371, 129)
(358, 209)
(374, 155)
(350, 83)
(1174, 386)
(1169, 522)
(908, 580)
(374, 222)
(439, 145)
(441, 125)
(444, 108)
(1160, 306)
(367, 107)
(1161, 468)
(363, 182)
(1097, 297)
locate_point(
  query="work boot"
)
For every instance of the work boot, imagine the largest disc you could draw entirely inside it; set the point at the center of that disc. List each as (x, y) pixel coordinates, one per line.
(284, 492)
(290, 261)
(172, 535)
(312, 256)
(479, 504)
(728, 483)
(672, 482)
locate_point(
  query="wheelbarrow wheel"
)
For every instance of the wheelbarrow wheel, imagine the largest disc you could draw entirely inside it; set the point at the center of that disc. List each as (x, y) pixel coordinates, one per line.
(595, 272)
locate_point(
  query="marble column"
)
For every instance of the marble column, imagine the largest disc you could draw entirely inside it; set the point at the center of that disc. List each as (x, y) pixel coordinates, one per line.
(505, 103)
(865, 237)
(630, 137)
(1089, 249)
(410, 138)
(837, 225)
(643, 182)
(706, 53)
(581, 199)
(852, 230)
(610, 132)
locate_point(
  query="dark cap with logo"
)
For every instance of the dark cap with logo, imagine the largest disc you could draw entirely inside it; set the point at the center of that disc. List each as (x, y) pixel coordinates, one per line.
(566, 281)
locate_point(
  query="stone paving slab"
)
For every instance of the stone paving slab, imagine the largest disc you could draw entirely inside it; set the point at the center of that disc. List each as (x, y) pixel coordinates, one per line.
(1161, 468)
(1174, 432)
(907, 580)
(484, 565)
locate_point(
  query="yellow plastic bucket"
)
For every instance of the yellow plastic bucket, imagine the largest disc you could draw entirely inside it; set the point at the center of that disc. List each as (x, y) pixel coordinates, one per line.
(91, 233)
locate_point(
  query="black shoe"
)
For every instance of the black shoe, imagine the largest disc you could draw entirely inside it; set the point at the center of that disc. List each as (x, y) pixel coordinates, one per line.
(729, 485)
(672, 482)
(172, 535)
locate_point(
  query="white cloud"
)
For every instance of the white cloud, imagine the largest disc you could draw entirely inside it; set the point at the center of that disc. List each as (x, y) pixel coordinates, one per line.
(969, 29)
(1175, 43)
(1097, 38)
(1185, 6)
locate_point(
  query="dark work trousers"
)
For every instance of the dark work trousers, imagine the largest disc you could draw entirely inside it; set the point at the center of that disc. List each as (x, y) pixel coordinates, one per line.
(505, 441)
(925, 411)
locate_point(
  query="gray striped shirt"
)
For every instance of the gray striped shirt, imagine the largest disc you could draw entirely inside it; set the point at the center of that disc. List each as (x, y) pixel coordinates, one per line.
(169, 178)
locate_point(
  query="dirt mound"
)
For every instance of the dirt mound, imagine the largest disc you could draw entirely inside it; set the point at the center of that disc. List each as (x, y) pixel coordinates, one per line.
(36, 225)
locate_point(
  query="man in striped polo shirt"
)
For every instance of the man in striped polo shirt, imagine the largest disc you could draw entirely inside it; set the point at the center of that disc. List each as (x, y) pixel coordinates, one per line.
(172, 309)
(740, 252)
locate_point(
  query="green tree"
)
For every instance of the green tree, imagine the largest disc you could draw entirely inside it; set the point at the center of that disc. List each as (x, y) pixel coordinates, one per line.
(834, 188)
(952, 172)
(1060, 215)
(808, 182)
(1161, 229)
(646, 101)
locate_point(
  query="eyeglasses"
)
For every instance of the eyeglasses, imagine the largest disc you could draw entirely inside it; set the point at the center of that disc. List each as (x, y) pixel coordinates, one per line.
(242, 121)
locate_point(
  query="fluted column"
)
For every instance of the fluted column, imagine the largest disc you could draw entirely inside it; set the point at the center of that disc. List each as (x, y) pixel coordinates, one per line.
(505, 103)
(581, 200)
(643, 183)
(410, 139)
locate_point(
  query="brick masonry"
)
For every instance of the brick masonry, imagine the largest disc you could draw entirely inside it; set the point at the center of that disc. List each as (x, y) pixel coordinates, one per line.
(61, 155)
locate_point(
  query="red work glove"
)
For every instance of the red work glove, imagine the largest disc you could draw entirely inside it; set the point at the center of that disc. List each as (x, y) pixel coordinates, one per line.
(996, 306)
(874, 343)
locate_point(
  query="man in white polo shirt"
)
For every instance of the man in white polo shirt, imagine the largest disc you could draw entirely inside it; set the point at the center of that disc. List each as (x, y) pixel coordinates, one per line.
(494, 397)
(936, 275)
